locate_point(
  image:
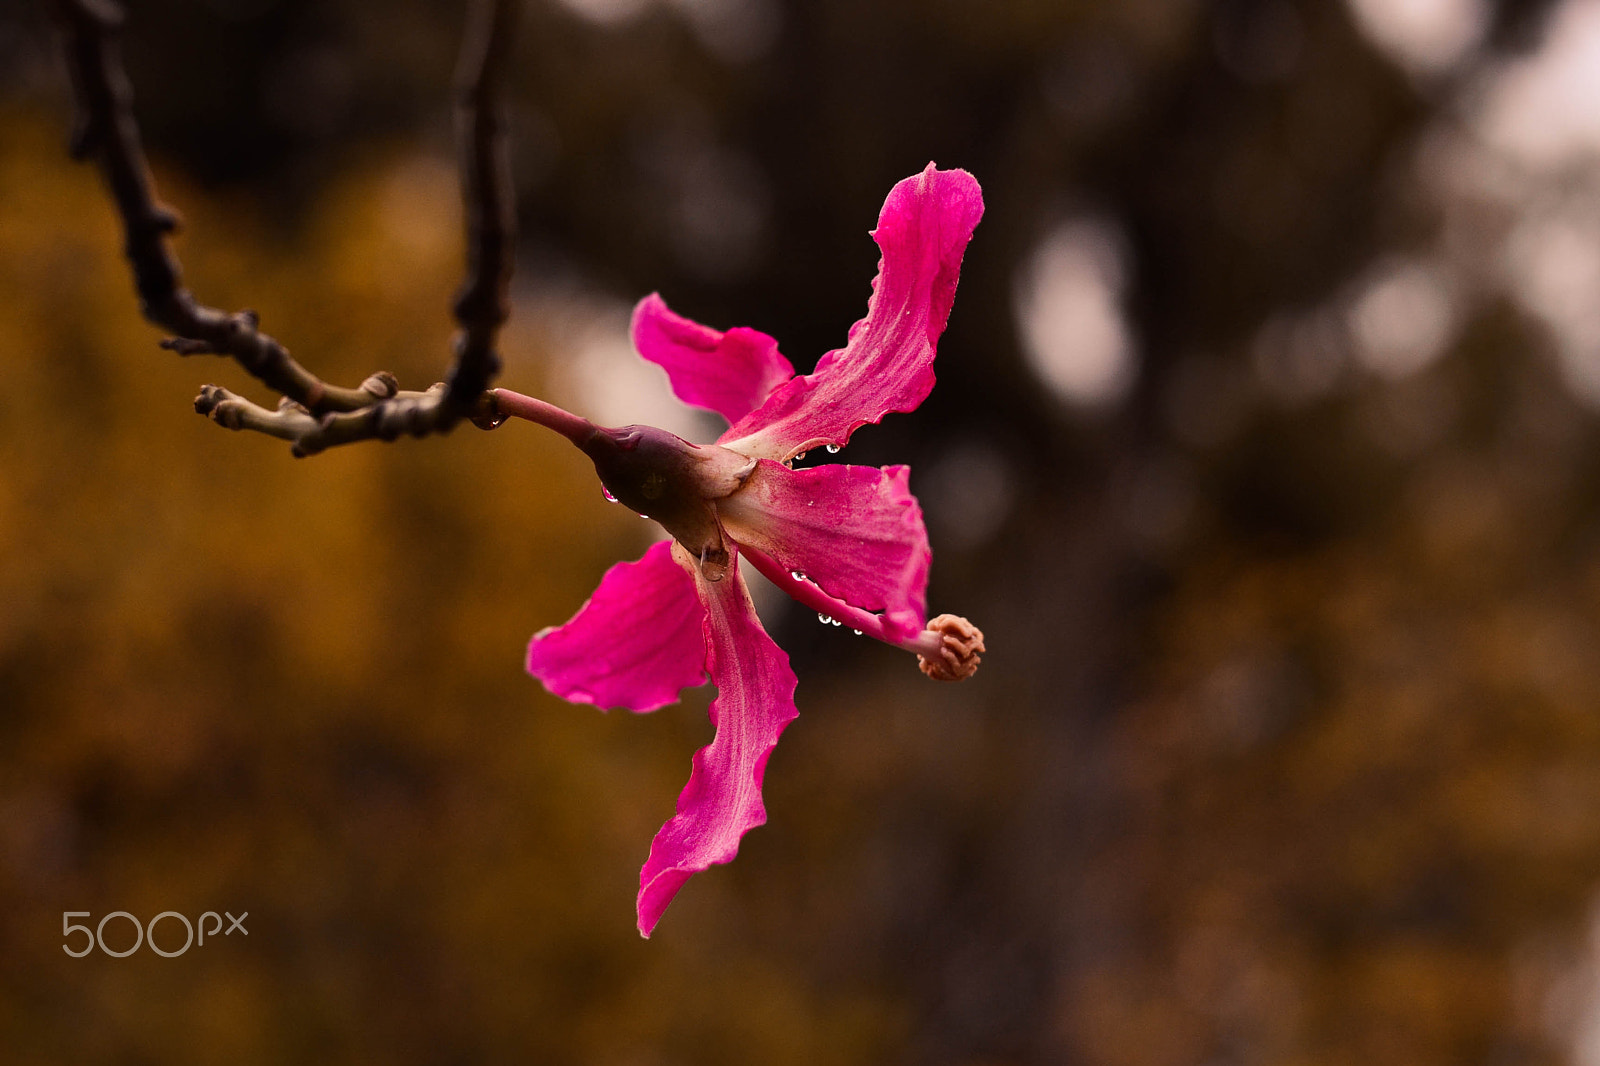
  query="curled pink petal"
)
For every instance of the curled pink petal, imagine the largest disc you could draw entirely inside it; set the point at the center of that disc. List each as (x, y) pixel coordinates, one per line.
(730, 373)
(637, 643)
(887, 361)
(856, 531)
(722, 801)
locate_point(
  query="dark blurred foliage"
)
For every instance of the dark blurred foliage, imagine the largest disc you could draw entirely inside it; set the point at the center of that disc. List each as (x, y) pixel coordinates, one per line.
(1288, 746)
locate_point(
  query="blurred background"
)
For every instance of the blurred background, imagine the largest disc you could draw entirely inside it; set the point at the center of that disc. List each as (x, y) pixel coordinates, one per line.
(1265, 452)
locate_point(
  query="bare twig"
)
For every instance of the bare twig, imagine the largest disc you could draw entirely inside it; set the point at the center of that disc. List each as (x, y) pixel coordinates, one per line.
(313, 415)
(106, 127)
(481, 306)
(415, 413)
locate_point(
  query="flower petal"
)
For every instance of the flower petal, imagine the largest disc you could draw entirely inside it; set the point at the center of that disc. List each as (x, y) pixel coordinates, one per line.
(887, 361)
(636, 644)
(722, 801)
(856, 531)
(730, 373)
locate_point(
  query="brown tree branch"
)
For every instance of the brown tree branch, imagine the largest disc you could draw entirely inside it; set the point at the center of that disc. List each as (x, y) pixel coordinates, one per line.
(106, 128)
(314, 415)
(413, 413)
(482, 306)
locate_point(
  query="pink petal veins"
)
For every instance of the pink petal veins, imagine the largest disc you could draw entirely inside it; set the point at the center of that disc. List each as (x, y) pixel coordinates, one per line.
(637, 643)
(722, 801)
(730, 373)
(887, 361)
(856, 531)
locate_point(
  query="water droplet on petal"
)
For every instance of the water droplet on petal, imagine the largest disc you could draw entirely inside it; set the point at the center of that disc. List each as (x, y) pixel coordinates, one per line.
(857, 632)
(824, 619)
(835, 621)
(607, 494)
(797, 575)
(797, 457)
(833, 449)
(713, 567)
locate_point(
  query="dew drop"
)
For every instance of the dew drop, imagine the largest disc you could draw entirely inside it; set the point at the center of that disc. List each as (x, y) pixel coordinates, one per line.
(712, 568)
(857, 632)
(835, 621)
(797, 457)
(833, 449)
(824, 619)
(607, 494)
(797, 575)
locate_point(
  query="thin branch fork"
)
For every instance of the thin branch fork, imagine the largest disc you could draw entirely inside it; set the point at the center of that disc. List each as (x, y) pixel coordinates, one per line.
(313, 414)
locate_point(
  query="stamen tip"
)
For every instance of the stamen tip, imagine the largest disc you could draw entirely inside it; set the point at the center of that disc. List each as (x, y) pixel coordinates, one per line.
(960, 651)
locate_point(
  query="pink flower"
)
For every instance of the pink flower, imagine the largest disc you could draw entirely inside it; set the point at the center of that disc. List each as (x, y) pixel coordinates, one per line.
(846, 541)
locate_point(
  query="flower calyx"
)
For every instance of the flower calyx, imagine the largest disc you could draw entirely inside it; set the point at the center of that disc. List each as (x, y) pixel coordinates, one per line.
(665, 478)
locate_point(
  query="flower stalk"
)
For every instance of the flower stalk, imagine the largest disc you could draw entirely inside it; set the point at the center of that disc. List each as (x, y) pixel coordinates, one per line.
(504, 403)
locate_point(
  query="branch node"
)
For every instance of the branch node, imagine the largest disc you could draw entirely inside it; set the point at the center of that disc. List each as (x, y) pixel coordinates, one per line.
(381, 385)
(210, 396)
(187, 346)
(163, 219)
(221, 406)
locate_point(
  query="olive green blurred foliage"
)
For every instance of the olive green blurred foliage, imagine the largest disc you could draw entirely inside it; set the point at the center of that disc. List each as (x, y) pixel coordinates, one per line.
(1288, 746)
